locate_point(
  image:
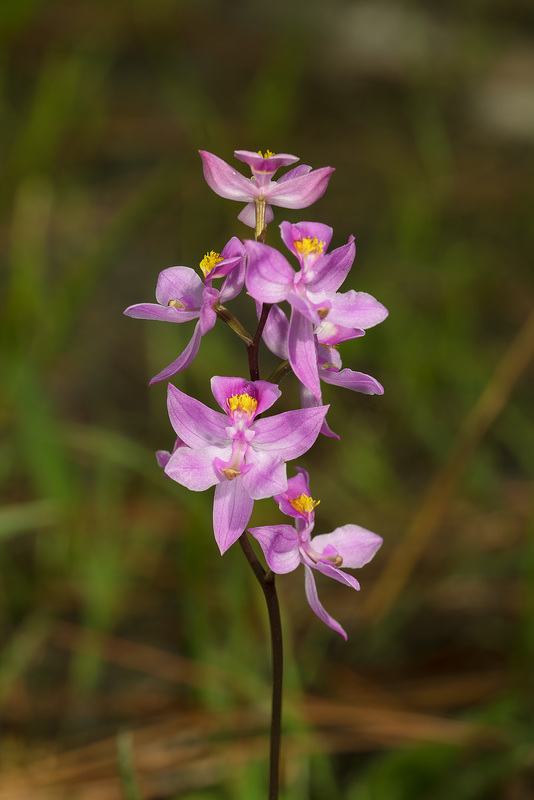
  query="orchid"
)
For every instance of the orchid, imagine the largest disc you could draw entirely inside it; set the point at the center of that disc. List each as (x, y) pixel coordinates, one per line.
(242, 456)
(182, 296)
(311, 292)
(298, 188)
(285, 547)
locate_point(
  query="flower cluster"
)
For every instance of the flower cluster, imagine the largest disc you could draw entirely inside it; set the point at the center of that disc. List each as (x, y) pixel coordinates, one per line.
(238, 450)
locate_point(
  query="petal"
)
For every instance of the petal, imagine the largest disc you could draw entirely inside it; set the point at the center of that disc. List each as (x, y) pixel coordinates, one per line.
(194, 469)
(232, 507)
(349, 379)
(177, 282)
(248, 215)
(289, 434)
(270, 164)
(270, 277)
(355, 545)
(280, 545)
(356, 310)
(264, 392)
(302, 352)
(268, 476)
(305, 230)
(225, 180)
(313, 600)
(276, 331)
(196, 424)
(337, 574)
(301, 191)
(296, 172)
(334, 267)
(183, 360)
(162, 313)
(307, 400)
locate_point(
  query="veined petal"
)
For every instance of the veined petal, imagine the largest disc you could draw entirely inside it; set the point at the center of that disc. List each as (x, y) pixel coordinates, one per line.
(268, 476)
(263, 392)
(177, 282)
(248, 215)
(313, 600)
(162, 313)
(296, 172)
(269, 164)
(355, 545)
(333, 268)
(356, 310)
(275, 331)
(183, 360)
(196, 424)
(307, 400)
(270, 277)
(194, 469)
(301, 191)
(225, 180)
(280, 545)
(232, 507)
(337, 574)
(349, 379)
(302, 352)
(289, 434)
(291, 233)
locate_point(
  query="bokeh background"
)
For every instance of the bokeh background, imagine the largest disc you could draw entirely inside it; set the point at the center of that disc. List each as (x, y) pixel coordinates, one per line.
(134, 660)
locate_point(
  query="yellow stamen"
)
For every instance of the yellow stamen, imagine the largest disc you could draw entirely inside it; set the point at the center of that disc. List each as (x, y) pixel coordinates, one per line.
(337, 561)
(304, 504)
(267, 154)
(176, 304)
(309, 247)
(242, 402)
(209, 261)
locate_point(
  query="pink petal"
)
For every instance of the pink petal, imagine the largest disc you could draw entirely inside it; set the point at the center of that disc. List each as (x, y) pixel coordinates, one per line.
(225, 180)
(280, 545)
(196, 424)
(355, 545)
(183, 360)
(313, 600)
(232, 507)
(289, 434)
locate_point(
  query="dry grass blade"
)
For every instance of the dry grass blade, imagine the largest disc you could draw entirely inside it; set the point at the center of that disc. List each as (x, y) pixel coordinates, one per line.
(199, 749)
(437, 498)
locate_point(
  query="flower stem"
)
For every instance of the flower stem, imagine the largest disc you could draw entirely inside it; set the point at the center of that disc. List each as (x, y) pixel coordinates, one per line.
(266, 581)
(254, 347)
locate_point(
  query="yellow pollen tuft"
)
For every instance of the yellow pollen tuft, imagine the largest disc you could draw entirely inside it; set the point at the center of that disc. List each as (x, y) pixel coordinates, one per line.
(176, 304)
(242, 402)
(304, 504)
(267, 154)
(209, 261)
(309, 247)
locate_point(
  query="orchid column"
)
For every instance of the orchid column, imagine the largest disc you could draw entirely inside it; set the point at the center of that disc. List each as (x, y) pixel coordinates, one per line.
(237, 450)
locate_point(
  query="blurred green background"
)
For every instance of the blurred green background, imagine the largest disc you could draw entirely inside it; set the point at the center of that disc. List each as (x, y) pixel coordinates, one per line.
(117, 613)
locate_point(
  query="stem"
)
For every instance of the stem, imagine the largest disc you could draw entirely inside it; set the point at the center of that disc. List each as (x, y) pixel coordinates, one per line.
(266, 581)
(254, 347)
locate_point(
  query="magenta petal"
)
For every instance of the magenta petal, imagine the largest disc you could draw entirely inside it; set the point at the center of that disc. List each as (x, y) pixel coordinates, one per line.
(291, 433)
(232, 507)
(268, 477)
(355, 545)
(291, 233)
(195, 469)
(280, 545)
(196, 424)
(225, 180)
(313, 600)
(176, 282)
(263, 392)
(334, 267)
(276, 331)
(270, 164)
(307, 400)
(270, 277)
(330, 571)
(302, 352)
(301, 191)
(356, 381)
(248, 215)
(161, 313)
(356, 310)
(183, 360)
